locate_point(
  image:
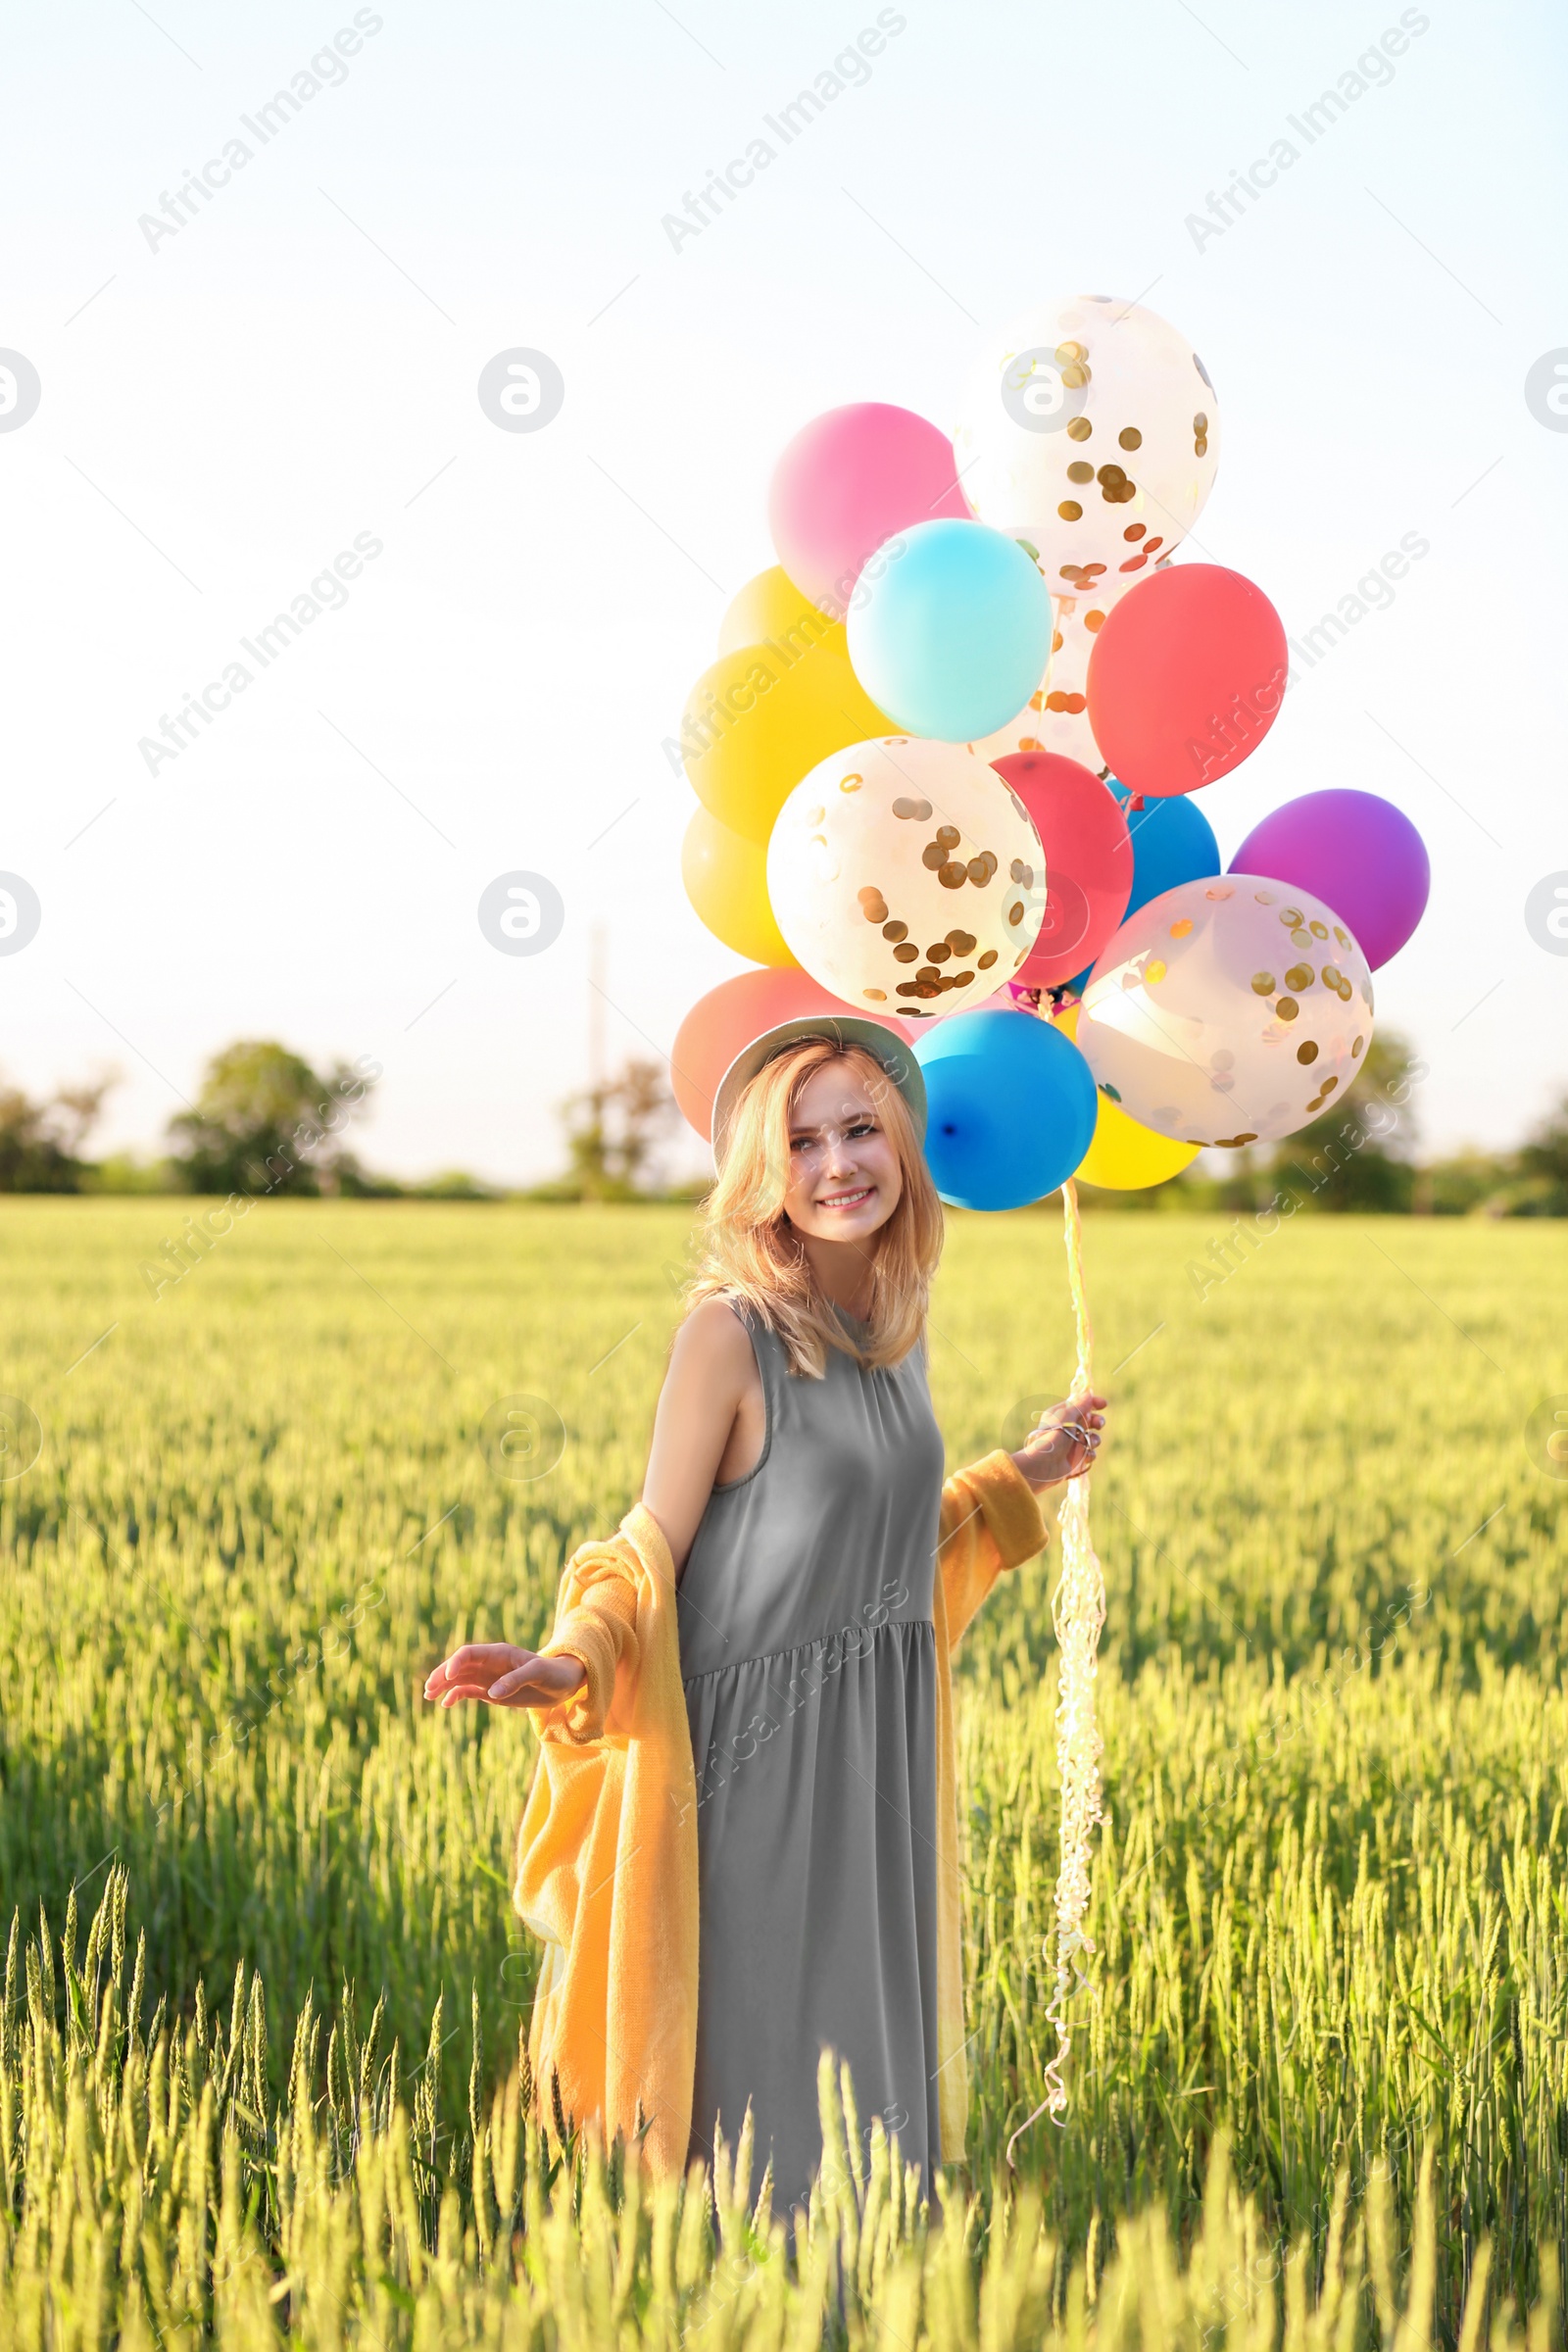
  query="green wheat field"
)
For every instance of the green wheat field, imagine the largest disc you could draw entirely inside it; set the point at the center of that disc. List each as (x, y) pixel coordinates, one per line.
(260, 2046)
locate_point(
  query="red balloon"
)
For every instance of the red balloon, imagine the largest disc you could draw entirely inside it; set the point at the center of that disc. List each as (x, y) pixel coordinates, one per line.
(1186, 678)
(729, 1016)
(1089, 862)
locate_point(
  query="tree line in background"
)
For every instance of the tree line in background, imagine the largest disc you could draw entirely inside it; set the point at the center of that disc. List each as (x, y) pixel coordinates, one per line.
(1364, 1159)
(266, 1123)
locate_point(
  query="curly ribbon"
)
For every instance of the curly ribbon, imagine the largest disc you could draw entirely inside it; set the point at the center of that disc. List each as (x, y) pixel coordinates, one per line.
(1078, 1612)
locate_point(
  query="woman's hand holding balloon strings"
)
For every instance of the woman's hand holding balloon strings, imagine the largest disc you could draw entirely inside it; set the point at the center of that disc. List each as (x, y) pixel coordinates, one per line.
(1063, 1442)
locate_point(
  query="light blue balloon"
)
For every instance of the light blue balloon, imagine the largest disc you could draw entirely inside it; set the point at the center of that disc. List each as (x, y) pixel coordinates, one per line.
(1010, 1107)
(950, 629)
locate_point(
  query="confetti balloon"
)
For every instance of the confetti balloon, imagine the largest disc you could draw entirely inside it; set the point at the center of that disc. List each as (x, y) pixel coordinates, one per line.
(906, 873)
(1064, 726)
(1089, 429)
(1227, 1011)
(1123, 1156)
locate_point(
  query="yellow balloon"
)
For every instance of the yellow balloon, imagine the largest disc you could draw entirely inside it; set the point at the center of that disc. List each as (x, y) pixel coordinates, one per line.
(771, 606)
(726, 881)
(1123, 1156)
(761, 718)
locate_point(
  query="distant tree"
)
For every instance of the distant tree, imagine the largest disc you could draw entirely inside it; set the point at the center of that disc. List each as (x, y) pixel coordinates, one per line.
(40, 1142)
(1544, 1164)
(1359, 1156)
(1467, 1184)
(452, 1184)
(265, 1122)
(613, 1133)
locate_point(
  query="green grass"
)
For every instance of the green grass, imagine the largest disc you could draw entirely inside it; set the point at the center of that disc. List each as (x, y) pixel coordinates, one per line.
(1331, 1900)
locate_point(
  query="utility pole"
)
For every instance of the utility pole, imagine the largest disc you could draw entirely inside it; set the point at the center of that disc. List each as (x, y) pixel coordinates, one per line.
(598, 958)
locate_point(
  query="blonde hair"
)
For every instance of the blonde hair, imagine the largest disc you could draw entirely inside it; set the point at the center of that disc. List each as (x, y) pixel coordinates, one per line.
(749, 1250)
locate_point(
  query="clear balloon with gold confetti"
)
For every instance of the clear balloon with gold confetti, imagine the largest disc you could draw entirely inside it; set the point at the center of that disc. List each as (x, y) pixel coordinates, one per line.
(1089, 429)
(907, 876)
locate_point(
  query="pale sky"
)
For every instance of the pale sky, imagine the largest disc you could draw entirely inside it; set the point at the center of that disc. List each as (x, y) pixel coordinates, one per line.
(227, 409)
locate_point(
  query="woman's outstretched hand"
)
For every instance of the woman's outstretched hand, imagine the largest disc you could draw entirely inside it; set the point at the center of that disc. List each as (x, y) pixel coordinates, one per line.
(503, 1676)
(1063, 1442)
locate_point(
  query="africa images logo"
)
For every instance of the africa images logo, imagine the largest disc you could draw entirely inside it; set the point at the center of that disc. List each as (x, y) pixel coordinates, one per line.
(1547, 914)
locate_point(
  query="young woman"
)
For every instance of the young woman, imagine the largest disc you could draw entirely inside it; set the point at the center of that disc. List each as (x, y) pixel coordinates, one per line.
(824, 1570)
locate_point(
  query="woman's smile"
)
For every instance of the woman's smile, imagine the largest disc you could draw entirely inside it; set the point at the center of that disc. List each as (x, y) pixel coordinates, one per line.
(852, 1199)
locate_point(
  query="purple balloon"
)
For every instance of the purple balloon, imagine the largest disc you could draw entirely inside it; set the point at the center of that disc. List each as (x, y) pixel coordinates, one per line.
(1356, 853)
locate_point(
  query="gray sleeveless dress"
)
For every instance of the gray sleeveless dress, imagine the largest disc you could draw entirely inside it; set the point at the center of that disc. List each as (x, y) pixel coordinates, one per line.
(809, 1658)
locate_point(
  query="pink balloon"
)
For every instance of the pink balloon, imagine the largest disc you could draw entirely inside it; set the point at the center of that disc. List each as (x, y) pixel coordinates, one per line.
(850, 480)
(1089, 862)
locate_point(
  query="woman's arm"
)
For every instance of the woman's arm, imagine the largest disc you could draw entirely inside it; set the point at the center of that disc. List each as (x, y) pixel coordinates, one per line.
(712, 1395)
(990, 1512)
(711, 1415)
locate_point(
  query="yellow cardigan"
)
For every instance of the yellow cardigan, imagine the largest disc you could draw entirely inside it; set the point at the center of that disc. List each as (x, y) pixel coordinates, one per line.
(606, 1870)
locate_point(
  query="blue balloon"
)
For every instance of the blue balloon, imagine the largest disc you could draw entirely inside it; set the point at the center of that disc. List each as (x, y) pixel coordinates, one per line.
(1172, 842)
(1010, 1107)
(950, 629)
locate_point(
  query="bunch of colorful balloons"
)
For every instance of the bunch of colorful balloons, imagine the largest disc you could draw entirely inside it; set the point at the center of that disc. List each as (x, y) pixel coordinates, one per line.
(946, 760)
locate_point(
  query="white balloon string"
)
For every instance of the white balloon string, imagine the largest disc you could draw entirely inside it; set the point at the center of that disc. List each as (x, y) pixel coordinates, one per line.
(1078, 1612)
